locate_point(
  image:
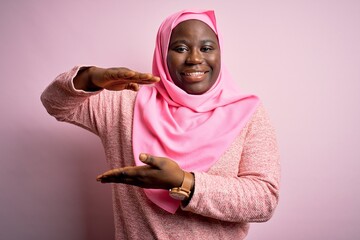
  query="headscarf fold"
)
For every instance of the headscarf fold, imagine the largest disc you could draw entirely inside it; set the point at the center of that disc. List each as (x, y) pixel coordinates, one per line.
(193, 130)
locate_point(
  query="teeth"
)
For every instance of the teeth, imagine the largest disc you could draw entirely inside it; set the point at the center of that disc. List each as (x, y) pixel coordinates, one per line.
(194, 74)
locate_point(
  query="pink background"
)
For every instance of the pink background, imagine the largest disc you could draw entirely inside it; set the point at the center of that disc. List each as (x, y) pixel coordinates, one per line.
(301, 57)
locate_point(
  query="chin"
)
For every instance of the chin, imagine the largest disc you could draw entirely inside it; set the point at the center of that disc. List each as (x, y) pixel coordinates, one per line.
(196, 91)
(199, 88)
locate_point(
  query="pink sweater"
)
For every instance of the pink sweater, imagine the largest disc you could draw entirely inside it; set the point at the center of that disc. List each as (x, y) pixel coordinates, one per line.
(241, 187)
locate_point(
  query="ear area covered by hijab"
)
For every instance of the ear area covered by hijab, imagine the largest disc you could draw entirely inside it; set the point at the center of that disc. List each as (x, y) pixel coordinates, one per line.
(193, 130)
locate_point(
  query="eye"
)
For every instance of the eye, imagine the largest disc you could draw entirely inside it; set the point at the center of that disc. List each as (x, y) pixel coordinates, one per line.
(206, 49)
(180, 49)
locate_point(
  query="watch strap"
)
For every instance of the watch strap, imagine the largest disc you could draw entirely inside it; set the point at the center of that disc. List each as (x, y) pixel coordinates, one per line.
(187, 182)
(184, 191)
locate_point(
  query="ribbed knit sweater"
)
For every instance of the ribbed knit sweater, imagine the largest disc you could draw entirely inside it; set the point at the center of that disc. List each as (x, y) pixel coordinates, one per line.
(242, 186)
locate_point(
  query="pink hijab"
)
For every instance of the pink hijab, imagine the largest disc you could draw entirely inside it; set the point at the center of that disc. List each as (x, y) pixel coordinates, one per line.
(193, 130)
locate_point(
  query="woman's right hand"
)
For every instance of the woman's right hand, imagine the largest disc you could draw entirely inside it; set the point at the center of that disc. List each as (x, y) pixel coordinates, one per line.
(116, 79)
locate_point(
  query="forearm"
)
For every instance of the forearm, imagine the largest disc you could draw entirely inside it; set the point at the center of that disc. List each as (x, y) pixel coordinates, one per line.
(244, 185)
(234, 199)
(65, 103)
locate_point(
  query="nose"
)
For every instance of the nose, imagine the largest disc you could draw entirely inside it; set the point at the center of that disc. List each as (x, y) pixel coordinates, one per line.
(194, 57)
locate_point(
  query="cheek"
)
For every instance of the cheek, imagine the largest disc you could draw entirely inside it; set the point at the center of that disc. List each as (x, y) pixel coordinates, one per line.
(171, 63)
(168, 62)
(174, 63)
(172, 68)
(215, 63)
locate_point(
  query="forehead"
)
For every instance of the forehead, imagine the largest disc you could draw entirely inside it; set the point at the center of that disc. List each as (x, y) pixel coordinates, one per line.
(193, 29)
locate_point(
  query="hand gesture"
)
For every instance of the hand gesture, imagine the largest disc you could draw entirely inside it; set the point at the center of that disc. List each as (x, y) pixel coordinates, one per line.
(115, 79)
(158, 173)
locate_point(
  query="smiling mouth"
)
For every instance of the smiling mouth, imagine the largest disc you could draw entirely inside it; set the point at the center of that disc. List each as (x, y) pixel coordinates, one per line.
(193, 76)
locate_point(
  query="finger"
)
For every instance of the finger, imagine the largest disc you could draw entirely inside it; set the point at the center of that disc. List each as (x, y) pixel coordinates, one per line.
(125, 172)
(151, 80)
(129, 74)
(124, 76)
(144, 78)
(118, 86)
(133, 86)
(119, 73)
(122, 73)
(150, 160)
(109, 180)
(111, 173)
(127, 175)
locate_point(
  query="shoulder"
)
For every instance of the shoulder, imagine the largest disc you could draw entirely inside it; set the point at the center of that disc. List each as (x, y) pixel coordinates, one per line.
(259, 123)
(260, 114)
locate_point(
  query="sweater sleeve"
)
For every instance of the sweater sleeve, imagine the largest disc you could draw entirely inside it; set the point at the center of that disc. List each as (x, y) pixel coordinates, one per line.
(68, 104)
(253, 194)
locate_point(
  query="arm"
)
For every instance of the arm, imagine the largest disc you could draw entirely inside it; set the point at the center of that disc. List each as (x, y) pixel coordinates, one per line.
(252, 195)
(65, 103)
(77, 97)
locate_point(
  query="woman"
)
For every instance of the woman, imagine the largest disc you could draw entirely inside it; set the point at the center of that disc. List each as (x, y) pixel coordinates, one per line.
(196, 159)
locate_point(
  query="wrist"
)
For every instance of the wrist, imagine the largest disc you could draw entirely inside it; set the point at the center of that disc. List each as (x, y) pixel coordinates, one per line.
(84, 80)
(185, 202)
(91, 75)
(184, 191)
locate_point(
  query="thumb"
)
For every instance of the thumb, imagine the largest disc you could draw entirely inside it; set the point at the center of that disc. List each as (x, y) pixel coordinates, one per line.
(148, 159)
(133, 86)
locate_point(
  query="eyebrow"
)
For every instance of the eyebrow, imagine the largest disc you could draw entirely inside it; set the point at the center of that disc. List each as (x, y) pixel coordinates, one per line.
(185, 42)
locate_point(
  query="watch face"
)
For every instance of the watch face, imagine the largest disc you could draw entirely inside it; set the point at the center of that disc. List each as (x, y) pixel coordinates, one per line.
(178, 195)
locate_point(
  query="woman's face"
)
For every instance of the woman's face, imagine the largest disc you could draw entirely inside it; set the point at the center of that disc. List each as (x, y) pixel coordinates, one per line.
(193, 56)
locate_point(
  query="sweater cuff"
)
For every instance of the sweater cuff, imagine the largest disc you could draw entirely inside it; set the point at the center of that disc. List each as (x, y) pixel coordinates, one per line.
(194, 201)
(72, 75)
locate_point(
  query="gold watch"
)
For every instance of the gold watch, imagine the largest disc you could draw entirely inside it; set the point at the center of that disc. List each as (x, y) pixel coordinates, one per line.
(183, 192)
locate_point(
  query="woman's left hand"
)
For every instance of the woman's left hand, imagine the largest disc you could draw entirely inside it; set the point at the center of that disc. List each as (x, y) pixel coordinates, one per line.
(158, 173)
